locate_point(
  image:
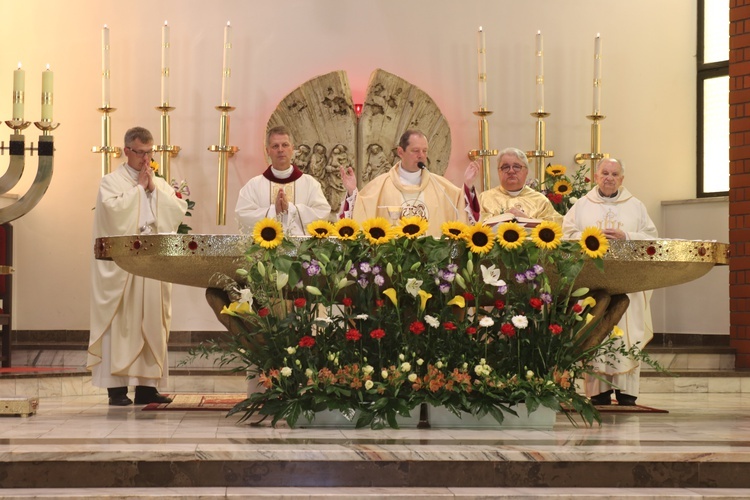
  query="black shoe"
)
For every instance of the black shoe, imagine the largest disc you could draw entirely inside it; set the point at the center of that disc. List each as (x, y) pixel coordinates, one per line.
(145, 395)
(118, 396)
(602, 399)
(120, 400)
(625, 399)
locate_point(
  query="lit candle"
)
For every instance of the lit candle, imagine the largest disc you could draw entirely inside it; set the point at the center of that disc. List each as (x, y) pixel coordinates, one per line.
(47, 82)
(482, 53)
(597, 75)
(226, 72)
(539, 73)
(165, 64)
(105, 67)
(19, 82)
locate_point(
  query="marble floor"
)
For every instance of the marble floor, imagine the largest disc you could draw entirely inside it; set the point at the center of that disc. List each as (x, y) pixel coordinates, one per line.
(79, 447)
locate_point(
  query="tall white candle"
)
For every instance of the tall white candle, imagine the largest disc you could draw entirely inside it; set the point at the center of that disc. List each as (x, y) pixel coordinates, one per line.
(482, 66)
(105, 67)
(539, 72)
(47, 82)
(226, 71)
(165, 64)
(19, 83)
(597, 75)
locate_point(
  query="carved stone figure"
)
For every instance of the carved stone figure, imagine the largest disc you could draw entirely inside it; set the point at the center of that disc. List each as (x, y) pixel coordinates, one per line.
(301, 157)
(333, 188)
(318, 162)
(377, 163)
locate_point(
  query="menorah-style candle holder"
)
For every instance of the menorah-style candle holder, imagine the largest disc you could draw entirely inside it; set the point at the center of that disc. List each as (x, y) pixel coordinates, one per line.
(540, 153)
(45, 150)
(596, 146)
(106, 149)
(484, 152)
(165, 149)
(225, 152)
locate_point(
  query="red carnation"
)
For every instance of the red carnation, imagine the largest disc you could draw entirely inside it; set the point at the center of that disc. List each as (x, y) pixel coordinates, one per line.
(499, 304)
(471, 330)
(577, 308)
(378, 333)
(307, 341)
(555, 329)
(448, 325)
(468, 296)
(300, 302)
(379, 302)
(536, 303)
(353, 334)
(416, 328)
(508, 330)
(555, 197)
(347, 301)
(263, 312)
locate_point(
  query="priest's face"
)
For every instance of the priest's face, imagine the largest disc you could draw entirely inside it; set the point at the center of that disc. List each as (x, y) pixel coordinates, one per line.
(609, 177)
(280, 149)
(512, 172)
(139, 154)
(415, 152)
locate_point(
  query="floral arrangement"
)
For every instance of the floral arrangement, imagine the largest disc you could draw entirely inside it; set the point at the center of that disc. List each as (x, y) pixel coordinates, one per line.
(181, 190)
(373, 321)
(561, 190)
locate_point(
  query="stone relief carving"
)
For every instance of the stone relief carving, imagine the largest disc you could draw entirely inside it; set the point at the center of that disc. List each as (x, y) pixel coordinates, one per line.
(327, 134)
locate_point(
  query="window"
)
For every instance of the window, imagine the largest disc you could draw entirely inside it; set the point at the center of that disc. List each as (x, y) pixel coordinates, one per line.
(713, 98)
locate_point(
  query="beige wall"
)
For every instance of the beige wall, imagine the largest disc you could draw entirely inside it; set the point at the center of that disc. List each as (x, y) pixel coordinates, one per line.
(648, 98)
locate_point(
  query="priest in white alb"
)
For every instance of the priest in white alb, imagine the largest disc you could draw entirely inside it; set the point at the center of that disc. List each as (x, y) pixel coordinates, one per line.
(621, 216)
(282, 191)
(131, 315)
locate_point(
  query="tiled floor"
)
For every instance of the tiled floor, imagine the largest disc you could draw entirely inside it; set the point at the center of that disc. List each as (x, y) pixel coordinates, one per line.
(707, 429)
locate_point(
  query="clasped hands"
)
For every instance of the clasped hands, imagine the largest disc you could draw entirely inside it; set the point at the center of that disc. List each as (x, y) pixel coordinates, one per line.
(146, 179)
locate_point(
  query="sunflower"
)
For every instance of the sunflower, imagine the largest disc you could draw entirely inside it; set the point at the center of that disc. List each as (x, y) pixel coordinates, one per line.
(454, 229)
(556, 170)
(479, 238)
(412, 227)
(511, 235)
(320, 229)
(547, 235)
(346, 229)
(377, 230)
(268, 233)
(593, 243)
(562, 187)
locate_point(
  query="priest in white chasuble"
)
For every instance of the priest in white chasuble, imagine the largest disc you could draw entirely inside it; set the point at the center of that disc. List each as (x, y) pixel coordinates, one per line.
(513, 196)
(407, 189)
(283, 191)
(620, 215)
(131, 315)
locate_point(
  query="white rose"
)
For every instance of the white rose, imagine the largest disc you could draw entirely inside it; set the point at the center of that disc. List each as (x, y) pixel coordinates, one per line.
(384, 374)
(405, 367)
(291, 350)
(420, 361)
(412, 377)
(529, 375)
(286, 372)
(369, 384)
(368, 369)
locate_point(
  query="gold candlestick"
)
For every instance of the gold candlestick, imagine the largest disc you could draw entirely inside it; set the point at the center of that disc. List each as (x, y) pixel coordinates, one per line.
(540, 153)
(596, 146)
(225, 152)
(106, 149)
(46, 126)
(485, 152)
(165, 149)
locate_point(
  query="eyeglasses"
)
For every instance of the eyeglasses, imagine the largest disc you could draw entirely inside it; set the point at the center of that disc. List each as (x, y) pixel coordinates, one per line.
(140, 153)
(506, 168)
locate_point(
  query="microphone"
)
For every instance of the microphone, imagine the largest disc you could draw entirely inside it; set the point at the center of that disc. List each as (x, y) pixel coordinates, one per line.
(421, 165)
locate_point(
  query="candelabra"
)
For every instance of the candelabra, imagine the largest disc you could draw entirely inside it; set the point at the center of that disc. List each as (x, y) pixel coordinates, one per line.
(225, 152)
(17, 149)
(165, 149)
(540, 153)
(106, 149)
(485, 152)
(596, 146)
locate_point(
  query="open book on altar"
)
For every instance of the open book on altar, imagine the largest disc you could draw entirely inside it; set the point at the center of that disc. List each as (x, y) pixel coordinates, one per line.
(507, 217)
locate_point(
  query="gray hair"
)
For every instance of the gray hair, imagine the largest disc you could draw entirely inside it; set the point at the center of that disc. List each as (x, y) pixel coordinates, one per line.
(139, 133)
(610, 160)
(515, 152)
(278, 130)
